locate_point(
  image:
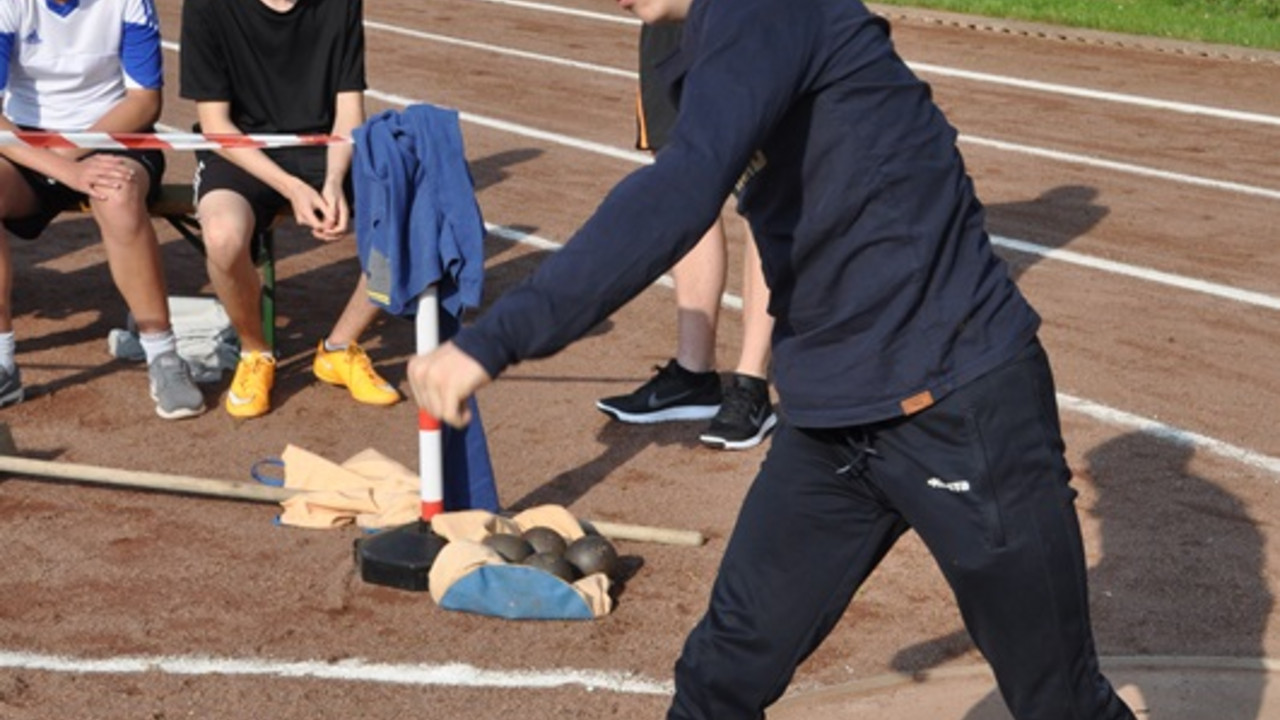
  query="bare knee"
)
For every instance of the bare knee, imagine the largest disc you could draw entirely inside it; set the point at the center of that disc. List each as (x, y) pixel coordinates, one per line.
(226, 243)
(122, 211)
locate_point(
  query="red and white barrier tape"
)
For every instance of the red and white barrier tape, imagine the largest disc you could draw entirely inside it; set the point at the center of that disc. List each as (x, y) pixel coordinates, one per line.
(161, 141)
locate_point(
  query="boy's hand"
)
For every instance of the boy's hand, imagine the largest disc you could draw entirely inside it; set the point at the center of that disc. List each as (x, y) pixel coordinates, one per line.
(444, 380)
(338, 219)
(100, 176)
(309, 208)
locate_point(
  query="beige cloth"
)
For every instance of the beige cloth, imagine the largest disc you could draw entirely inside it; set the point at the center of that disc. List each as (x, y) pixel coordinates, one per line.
(368, 489)
(466, 530)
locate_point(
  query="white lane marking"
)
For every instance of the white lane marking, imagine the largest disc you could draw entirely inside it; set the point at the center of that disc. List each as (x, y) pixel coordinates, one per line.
(1247, 297)
(541, 7)
(1227, 292)
(1034, 85)
(1244, 297)
(1057, 155)
(1170, 434)
(1104, 96)
(357, 670)
(1088, 408)
(1223, 185)
(500, 50)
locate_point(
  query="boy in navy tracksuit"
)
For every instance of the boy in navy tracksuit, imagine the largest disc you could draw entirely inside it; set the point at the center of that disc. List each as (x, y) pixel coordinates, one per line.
(913, 391)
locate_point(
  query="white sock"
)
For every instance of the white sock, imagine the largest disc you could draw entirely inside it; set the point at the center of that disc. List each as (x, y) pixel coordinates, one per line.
(157, 344)
(8, 346)
(330, 347)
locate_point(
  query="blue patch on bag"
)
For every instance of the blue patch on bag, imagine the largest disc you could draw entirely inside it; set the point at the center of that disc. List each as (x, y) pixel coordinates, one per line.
(516, 592)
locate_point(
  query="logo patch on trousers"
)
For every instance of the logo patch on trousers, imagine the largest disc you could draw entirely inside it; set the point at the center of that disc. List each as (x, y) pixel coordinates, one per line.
(959, 486)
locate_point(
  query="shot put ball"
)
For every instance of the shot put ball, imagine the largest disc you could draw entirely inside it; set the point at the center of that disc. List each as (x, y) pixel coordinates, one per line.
(553, 563)
(592, 554)
(545, 540)
(512, 548)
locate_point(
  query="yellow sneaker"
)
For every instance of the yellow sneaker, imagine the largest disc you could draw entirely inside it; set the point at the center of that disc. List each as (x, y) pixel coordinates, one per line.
(250, 393)
(352, 369)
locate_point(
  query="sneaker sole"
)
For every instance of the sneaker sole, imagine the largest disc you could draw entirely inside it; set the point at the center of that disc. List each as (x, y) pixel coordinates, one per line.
(181, 413)
(334, 381)
(686, 412)
(719, 443)
(13, 398)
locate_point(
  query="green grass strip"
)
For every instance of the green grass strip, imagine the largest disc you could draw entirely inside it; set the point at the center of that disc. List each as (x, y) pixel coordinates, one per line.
(1241, 23)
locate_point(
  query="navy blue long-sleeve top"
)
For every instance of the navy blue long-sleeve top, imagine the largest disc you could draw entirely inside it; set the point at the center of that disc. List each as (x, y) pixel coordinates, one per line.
(884, 286)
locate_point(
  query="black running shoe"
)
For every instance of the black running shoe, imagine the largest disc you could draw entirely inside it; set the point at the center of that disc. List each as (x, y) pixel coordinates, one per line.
(673, 394)
(746, 416)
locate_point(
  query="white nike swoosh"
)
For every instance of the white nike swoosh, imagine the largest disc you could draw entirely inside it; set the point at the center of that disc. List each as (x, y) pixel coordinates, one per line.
(235, 399)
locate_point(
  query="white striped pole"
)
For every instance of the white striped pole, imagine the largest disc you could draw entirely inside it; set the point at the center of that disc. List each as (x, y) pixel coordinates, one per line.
(430, 451)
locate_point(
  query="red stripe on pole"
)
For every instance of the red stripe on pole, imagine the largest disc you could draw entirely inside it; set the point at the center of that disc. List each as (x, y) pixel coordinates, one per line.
(427, 422)
(432, 509)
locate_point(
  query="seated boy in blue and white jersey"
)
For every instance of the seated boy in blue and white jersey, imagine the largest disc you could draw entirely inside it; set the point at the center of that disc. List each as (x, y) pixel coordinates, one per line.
(89, 65)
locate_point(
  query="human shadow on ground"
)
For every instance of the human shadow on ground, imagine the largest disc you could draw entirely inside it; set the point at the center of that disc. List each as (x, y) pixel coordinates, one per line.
(492, 169)
(1052, 220)
(45, 295)
(1182, 573)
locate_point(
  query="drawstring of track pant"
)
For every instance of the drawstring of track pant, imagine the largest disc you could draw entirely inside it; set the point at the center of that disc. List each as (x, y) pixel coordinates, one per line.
(857, 441)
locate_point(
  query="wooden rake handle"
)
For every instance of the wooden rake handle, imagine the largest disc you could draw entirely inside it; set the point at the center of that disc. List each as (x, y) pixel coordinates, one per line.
(258, 492)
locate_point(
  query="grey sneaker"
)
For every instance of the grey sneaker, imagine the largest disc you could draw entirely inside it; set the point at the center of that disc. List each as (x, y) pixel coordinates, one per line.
(172, 388)
(11, 392)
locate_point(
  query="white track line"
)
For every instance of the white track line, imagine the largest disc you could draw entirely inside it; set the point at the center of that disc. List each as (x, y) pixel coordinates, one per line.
(1097, 411)
(541, 7)
(1056, 155)
(500, 50)
(1094, 410)
(1035, 85)
(1101, 95)
(1226, 292)
(1247, 297)
(1101, 164)
(1171, 434)
(352, 670)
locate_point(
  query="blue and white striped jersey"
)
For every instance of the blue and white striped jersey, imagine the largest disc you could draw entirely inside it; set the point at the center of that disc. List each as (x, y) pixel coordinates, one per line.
(65, 63)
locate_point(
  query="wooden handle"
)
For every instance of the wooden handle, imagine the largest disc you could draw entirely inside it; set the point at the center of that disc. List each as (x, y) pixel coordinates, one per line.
(258, 492)
(145, 480)
(645, 533)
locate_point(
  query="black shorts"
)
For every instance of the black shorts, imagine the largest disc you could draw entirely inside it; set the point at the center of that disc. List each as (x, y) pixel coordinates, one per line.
(214, 172)
(656, 109)
(53, 198)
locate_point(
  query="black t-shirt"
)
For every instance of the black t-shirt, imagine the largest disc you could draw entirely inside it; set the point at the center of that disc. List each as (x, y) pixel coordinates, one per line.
(279, 71)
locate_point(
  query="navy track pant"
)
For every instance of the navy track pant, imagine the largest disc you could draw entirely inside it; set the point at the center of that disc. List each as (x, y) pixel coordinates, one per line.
(981, 477)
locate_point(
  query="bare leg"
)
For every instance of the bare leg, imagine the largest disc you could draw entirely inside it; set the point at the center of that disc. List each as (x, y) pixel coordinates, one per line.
(356, 317)
(226, 222)
(133, 252)
(757, 324)
(699, 279)
(16, 200)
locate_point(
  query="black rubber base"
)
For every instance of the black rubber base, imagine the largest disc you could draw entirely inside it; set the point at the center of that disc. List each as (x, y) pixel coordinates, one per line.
(400, 558)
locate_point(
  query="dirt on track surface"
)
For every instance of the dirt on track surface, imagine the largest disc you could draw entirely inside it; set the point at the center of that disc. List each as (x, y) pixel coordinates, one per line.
(1142, 231)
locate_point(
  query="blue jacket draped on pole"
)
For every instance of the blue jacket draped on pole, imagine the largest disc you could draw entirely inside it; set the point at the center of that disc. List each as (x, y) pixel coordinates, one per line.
(417, 224)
